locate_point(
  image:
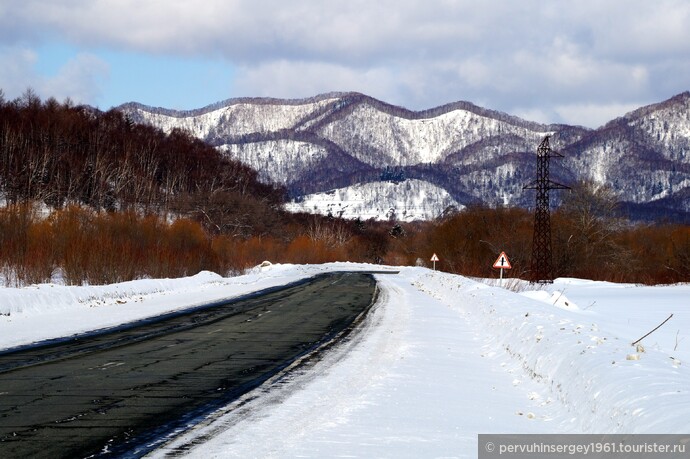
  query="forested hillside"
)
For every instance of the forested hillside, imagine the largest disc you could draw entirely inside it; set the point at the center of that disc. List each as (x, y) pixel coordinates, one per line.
(90, 197)
(59, 155)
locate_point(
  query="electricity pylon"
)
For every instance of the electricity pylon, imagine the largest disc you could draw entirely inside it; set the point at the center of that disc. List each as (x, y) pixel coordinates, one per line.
(541, 269)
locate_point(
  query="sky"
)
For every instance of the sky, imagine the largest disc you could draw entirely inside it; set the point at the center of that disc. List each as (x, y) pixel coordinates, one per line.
(556, 61)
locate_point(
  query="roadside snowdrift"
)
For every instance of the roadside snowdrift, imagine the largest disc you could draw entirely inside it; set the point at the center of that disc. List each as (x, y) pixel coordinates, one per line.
(607, 385)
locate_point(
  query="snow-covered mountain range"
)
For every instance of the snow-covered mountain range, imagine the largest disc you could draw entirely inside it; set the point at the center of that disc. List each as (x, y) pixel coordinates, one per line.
(335, 152)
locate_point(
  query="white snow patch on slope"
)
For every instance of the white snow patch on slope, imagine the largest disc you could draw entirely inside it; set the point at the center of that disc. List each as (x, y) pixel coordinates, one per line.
(237, 119)
(277, 161)
(408, 200)
(402, 141)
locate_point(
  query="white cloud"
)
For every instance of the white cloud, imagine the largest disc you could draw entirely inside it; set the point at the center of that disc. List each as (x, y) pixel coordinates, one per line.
(79, 79)
(304, 79)
(644, 30)
(592, 114)
(528, 56)
(354, 31)
(535, 114)
(16, 70)
(475, 72)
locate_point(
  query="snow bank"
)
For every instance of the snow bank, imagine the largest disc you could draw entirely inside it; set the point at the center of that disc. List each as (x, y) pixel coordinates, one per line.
(606, 385)
(47, 298)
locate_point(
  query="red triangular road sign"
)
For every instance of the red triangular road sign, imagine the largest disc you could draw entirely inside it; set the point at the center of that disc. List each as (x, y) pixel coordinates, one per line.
(434, 257)
(502, 261)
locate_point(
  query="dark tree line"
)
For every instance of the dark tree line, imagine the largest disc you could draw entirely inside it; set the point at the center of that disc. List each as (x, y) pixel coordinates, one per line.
(61, 154)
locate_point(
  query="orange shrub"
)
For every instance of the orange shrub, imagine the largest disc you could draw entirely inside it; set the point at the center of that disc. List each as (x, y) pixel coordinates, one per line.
(93, 247)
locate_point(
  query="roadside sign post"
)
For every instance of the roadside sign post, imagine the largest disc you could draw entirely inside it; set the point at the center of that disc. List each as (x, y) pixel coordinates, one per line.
(502, 263)
(434, 258)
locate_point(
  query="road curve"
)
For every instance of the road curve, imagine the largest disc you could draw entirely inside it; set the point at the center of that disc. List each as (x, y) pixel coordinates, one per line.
(108, 394)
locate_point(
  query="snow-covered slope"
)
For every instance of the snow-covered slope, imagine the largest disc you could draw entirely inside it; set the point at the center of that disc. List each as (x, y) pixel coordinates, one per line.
(383, 138)
(243, 117)
(277, 161)
(439, 359)
(404, 201)
(477, 155)
(644, 155)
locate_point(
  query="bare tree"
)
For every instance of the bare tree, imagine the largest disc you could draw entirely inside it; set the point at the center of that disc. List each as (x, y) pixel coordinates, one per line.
(591, 211)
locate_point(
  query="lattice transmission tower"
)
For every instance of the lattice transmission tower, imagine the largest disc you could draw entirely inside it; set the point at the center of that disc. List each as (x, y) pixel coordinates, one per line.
(541, 268)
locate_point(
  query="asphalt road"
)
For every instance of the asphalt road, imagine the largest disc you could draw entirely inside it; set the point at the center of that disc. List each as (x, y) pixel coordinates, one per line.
(109, 394)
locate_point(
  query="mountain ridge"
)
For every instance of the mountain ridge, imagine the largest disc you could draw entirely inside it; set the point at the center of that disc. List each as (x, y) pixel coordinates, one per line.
(340, 139)
(410, 114)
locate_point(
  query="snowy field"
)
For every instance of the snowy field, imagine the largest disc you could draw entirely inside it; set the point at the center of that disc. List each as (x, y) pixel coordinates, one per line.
(440, 359)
